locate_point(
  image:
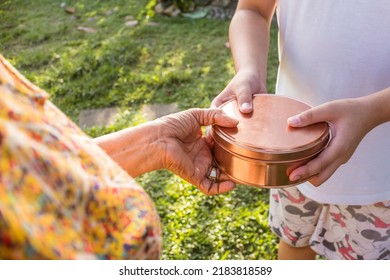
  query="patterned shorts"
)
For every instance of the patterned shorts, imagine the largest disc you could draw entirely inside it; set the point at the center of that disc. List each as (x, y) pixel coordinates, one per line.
(333, 231)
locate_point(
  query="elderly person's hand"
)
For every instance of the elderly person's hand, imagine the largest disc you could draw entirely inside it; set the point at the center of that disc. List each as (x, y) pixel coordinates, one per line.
(349, 120)
(174, 142)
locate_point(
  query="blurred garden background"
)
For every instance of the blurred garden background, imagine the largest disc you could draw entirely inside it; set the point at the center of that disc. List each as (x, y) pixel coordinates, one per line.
(121, 54)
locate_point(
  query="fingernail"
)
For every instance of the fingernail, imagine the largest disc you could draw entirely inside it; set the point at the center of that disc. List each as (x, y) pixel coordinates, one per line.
(246, 107)
(294, 121)
(297, 177)
(233, 120)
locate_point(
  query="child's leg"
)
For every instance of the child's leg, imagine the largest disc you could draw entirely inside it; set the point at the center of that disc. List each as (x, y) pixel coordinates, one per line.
(288, 252)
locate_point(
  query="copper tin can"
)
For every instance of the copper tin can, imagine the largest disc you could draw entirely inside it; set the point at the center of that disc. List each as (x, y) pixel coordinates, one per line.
(263, 150)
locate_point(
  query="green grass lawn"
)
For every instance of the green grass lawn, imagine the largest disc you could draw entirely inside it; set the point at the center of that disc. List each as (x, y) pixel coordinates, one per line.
(160, 60)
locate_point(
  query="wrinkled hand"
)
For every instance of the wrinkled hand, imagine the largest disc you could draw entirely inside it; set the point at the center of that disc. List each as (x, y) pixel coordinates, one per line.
(186, 151)
(243, 85)
(349, 122)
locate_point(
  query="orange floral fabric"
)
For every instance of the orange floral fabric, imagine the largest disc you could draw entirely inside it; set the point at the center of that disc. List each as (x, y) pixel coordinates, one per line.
(61, 196)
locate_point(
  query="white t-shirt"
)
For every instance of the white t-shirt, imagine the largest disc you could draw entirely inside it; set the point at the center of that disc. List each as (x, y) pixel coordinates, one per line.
(333, 49)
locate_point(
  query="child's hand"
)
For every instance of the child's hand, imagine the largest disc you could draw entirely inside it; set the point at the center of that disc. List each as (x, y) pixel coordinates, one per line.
(349, 121)
(242, 86)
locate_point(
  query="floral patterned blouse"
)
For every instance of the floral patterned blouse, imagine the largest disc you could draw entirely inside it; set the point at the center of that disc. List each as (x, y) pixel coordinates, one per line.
(61, 196)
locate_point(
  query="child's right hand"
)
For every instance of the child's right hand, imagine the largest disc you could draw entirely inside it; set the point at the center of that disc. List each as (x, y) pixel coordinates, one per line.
(243, 85)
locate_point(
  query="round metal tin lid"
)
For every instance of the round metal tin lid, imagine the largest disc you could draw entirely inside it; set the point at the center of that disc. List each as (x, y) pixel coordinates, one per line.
(264, 133)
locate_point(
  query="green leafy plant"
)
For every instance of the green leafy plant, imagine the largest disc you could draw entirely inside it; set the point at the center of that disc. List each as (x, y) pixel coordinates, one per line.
(185, 5)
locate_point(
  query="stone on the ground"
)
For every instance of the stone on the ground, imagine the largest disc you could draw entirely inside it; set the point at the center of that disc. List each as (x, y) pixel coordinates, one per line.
(108, 116)
(98, 117)
(154, 111)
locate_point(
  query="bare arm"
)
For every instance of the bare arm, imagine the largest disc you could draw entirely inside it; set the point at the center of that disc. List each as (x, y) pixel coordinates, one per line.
(249, 41)
(136, 149)
(174, 142)
(249, 35)
(379, 103)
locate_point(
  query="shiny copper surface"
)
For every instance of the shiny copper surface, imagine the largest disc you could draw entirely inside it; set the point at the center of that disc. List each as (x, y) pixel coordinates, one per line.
(263, 150)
